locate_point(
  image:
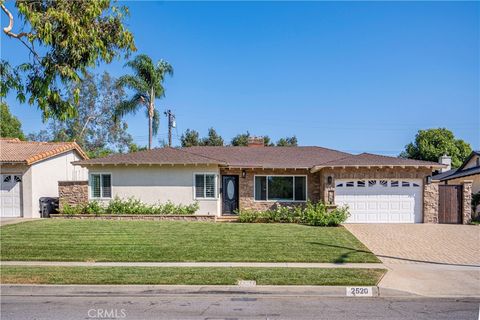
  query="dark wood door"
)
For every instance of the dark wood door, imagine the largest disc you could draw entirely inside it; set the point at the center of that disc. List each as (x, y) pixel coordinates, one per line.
(450, 204)
(229, 194)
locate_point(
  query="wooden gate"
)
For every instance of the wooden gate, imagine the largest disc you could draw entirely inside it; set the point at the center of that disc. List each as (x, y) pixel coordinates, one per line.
(450, 204)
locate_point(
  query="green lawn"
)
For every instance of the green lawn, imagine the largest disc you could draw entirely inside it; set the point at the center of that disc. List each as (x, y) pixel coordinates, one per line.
(189, 276)
(89, 240)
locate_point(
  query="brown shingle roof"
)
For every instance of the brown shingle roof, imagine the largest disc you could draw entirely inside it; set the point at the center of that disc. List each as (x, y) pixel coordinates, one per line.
(154, 156)
(270, 157)
(261, 157)
(368, 159)
(29, 152)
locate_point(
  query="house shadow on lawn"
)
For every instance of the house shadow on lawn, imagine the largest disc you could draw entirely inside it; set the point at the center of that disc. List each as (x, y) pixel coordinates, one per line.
(343, 258)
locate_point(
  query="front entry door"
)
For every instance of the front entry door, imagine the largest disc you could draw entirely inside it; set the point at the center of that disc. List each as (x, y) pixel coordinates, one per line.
(229, 194)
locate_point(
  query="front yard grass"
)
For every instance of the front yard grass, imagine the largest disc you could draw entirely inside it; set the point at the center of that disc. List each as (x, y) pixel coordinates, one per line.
(189, 276)
(89, 240)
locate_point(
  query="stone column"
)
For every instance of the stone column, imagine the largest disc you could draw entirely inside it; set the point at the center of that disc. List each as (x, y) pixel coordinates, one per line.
(467, 201)
(72, 193)
(430, 202)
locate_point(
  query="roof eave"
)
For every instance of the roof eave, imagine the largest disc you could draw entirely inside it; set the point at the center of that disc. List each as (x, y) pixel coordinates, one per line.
(333, 166)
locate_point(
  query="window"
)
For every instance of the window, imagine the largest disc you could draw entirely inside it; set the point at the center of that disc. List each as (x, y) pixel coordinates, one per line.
(17, 178)
(384, 183)
(349, 184)
(205, 186)
(101, 185)
(361, 183)
(371, 183)
(415, 184)
(394, 183)
(7, 179)
(339, 185)
(280, 188)
(405, 184)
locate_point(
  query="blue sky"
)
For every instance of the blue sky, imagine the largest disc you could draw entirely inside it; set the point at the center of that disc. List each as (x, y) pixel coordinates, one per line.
(361, 76)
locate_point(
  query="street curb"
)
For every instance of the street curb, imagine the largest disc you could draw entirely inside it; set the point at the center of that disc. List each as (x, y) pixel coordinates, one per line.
(159, 290)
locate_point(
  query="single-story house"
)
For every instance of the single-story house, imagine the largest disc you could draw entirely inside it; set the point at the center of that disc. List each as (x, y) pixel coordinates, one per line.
(31, 170)
(470, 169)
(377, 189)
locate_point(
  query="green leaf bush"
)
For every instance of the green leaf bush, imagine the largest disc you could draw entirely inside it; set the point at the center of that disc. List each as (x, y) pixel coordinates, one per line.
(314, 214)
(130, 206)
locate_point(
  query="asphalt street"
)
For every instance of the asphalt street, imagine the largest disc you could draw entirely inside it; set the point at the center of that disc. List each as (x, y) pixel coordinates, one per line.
(234, 306)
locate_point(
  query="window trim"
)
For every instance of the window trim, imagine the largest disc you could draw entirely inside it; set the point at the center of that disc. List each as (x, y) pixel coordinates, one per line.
(90, 193)
(215, 198)
(281, 175)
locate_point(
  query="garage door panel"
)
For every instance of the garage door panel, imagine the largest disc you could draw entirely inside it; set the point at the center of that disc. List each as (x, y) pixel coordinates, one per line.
(380, 202)
(10, 195)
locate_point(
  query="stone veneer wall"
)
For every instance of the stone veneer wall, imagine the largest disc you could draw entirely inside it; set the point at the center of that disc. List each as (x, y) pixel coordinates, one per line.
(467, 201)
(430, 202)
(72, 193)
(246, 186)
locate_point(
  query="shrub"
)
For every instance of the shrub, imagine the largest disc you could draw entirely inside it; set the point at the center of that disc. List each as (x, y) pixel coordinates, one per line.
(314, 214)
(130, 206)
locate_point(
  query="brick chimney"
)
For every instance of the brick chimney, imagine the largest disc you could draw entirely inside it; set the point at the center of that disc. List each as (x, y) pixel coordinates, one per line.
(446, 160)
(255, 142)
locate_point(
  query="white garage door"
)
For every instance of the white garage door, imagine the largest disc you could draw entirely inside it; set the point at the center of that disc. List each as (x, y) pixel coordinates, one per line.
(10, 195)
(381, 201)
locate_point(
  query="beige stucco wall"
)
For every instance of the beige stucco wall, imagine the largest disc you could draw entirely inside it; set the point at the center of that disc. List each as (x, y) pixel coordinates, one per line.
(154, 184)
(45, 176)
(474, 178)
(471, 163)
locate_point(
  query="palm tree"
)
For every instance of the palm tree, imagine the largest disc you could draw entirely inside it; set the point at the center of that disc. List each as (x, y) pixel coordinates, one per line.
(147, 86)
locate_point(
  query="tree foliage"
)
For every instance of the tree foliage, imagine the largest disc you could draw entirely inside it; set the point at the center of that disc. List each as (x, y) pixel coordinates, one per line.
(10, 126)
(213, 139)
(240, 140)
(430, 144)
(93, 127)
(147, 85)
(287, 142)
(190, 138)
(72, 36)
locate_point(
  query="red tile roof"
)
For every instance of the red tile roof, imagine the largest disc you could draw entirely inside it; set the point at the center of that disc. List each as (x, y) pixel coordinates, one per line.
(29, 152)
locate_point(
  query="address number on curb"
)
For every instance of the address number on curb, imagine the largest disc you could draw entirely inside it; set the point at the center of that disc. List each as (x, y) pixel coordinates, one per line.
(359, 292)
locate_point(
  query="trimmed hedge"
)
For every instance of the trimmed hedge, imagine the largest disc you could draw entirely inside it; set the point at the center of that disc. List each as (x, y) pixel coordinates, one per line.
(130, 206)
(314, 214)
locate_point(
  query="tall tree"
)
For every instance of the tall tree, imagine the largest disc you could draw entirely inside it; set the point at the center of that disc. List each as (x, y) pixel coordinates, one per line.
(64, 38)
(288, 142)
(267, 142)
(10, 126)
(147, 85)
(190, 138)
(93, 127)
(213, 139)
(240, 140)
(430, 144)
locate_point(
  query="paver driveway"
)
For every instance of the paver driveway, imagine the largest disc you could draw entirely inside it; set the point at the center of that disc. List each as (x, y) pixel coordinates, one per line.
(425, 259)
(407, 243)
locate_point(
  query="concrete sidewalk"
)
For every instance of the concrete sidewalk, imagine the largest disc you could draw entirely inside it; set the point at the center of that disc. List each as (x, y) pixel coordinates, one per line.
(7, 221)
(195, 264)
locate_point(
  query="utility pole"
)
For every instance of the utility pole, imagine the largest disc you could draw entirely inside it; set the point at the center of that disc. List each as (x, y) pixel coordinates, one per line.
(171, 124)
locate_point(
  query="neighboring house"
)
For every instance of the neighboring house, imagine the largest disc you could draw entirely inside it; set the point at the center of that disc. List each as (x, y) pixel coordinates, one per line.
(469, 170)
(31, 170)
(377, 189)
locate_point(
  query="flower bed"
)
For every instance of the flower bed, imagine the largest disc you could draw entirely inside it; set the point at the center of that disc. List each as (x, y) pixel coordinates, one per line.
(314, 214)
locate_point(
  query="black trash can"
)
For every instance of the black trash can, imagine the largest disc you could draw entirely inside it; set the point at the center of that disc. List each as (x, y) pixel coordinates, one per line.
(48, 205)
